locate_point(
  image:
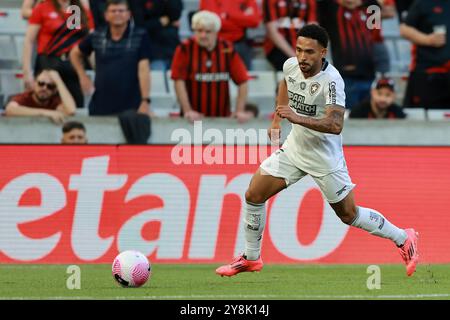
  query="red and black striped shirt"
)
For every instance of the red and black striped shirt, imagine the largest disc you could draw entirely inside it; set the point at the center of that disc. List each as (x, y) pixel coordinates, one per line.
(207, 74)
(351, 39)
(55, 37)
(290, 16)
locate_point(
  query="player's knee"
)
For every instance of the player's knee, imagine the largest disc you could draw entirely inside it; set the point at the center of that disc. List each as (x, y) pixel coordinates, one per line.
(254, 197)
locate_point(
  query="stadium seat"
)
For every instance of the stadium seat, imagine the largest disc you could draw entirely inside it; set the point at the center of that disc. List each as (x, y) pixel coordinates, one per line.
(258, 34)
(261, 90)
(8, 54)
(12, 26)
(87, 98)
(415, 113)
(18, 42)
(10, 83)
(404, 53)
(159, 83)
(185, 29)
(401, 80)
(262, 83)
(191, 5)
(390, 27)
(392, 50)
(261, 64)
(279, 76)
(441, 114)
(162, 93)
(11, 21)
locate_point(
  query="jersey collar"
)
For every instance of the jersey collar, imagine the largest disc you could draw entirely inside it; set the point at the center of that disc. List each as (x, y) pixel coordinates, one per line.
(324, 64)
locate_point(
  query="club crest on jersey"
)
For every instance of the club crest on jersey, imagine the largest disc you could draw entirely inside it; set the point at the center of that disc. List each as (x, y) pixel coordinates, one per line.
(314, 88)
(208, 63)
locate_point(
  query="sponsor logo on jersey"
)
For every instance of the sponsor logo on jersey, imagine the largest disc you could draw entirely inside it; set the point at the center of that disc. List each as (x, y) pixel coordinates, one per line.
(297, 102)
(292, 80)
(302, 85)
(332, 92)
(212, 77)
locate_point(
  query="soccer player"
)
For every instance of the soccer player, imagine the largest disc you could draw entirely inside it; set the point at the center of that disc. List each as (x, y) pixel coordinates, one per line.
(312, 98)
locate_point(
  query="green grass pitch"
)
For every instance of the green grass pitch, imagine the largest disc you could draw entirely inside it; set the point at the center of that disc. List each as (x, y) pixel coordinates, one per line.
(198, 282)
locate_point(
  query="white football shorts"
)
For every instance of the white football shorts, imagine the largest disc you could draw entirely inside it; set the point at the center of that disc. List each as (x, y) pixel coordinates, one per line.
(335, 186)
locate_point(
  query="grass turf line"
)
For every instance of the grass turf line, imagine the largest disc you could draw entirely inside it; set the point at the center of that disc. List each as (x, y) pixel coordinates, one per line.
(199, 281)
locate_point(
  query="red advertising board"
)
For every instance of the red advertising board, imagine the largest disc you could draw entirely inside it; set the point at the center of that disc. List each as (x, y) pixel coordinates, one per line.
(84, 204)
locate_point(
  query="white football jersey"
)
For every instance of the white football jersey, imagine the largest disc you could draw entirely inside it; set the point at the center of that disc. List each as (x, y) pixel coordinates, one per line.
(314, 152)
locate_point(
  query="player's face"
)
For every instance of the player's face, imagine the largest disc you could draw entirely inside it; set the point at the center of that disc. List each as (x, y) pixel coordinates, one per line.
(117, 15)
(206, 36)
(383, 97)
(45, 88)
(74, 136)
(309, 55)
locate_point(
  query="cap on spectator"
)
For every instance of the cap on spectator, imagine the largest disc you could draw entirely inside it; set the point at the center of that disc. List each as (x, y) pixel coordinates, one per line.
(384, 83)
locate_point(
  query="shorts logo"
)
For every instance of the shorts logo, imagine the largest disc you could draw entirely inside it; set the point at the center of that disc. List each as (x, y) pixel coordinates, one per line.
(339, 192)
(314, 88)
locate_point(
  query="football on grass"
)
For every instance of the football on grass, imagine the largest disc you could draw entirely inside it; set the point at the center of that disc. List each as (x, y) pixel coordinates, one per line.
(131, 269)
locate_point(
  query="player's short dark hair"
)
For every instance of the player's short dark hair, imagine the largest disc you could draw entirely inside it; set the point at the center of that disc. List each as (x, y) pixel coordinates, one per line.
(116, 2)
(70, 125)
(316, 32)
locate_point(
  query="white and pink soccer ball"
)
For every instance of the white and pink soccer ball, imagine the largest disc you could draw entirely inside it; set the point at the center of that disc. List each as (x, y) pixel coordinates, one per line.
(131, 269)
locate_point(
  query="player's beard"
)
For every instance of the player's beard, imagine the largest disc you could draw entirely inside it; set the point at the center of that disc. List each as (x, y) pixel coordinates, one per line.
(305, 67)
(309, 69)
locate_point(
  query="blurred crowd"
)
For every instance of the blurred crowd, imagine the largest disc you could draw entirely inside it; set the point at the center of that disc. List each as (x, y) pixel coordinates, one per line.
(123, 41)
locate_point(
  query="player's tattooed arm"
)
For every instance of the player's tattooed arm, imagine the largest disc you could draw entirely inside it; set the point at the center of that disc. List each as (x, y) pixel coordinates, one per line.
(333, 121)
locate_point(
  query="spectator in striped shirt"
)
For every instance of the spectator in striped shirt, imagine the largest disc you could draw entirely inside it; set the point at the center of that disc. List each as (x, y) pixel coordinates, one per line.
(202, 68)
(352, 44)
(283, 19)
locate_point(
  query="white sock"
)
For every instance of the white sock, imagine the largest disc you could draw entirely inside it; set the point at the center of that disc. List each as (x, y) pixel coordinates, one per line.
(376, 224)
(254, 223)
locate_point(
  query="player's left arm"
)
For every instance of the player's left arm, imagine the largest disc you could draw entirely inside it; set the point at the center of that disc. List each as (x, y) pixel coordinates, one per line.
(333, 122)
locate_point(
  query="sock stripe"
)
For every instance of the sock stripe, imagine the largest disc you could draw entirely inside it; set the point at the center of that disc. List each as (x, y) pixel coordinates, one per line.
(255, 204)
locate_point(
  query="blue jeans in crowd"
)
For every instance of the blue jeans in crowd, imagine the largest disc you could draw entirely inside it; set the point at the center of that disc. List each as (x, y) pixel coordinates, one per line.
(356, 91)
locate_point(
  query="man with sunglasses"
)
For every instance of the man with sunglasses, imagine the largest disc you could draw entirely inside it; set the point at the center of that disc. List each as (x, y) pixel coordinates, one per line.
(49, 98)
